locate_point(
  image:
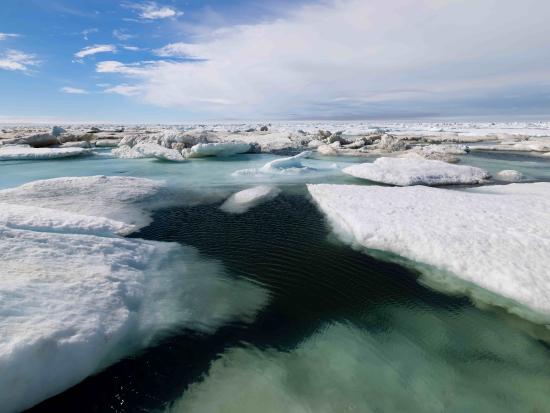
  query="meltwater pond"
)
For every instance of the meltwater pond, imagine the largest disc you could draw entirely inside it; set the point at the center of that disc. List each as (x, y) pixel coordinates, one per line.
(342, 332)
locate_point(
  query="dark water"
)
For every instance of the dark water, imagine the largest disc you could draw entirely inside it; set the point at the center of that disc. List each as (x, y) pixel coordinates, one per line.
(284, 246)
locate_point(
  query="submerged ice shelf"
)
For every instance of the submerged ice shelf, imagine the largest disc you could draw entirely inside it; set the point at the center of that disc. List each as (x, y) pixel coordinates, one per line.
(75, 297)
(493, 237)
(416, 366)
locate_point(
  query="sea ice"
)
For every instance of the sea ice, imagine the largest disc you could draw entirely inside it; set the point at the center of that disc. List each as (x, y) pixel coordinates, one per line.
(24, 152)
(75, 297)
(201, 150)
(54, 220)
(153, 150)
(413, 171)
(242, 201)
(120, 198)
(510, 175)
(291, 166)
(496, 237)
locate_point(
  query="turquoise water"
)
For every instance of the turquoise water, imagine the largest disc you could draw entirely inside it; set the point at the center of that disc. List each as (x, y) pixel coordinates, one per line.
(343, 331)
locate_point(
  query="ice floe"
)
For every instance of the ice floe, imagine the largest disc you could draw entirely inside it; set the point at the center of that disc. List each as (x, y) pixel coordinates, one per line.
(242, 201)
(201, 150)
(24, 152)
(415, 366)
(411, 171)
(496, 237)
(75, 297)
(121, 198)
(34, 218)
(282, 166)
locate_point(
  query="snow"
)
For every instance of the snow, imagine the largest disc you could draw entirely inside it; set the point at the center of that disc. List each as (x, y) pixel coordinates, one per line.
(242, 201)
(152, 150)
(510, 175)
(128, 152)
(147, 150)
(218, 149)
(22, 152)
(46, 219)
(416, 366)
(121, 198)
(75, 297)
(107, 143)
(411, 171)
(492, 237)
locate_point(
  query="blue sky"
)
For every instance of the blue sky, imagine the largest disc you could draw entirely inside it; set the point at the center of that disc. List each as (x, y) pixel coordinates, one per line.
(179, 61)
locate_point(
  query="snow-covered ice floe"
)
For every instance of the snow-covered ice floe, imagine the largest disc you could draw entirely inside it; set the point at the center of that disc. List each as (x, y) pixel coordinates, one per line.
(415, 366)
(496, 237)
(201, 150)
(75, 297)
(26, 152)
(121, 198)
(242, 201)
(414, 171)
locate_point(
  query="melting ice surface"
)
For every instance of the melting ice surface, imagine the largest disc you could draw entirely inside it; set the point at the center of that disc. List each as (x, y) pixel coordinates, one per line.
(341, 331)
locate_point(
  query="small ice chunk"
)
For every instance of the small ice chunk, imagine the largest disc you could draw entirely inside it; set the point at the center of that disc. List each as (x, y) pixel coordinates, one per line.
(242, 201)
(496, 237)
(413, 171)
(25, 152)
(201, 150)
(281, 166)
(510, 175)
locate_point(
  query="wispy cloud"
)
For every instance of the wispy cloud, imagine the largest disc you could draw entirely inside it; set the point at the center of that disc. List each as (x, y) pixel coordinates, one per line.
(178, 50)
(151, 10)
(375, 59)
(122, 35)
(97, 48)
(87, 32)
(5, 36)
(74, 90)
(124, 90)
(16, 60)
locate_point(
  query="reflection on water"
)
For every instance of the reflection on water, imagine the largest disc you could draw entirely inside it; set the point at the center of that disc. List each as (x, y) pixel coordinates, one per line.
(342, 332)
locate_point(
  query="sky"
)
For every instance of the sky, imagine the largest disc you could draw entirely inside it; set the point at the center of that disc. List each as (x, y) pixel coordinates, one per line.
(177, 61)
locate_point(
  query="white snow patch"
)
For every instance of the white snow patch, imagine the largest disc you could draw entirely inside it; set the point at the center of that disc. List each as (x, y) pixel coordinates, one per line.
(201, 150)
(26, 152)
(242, 201)
(412, 171)
(492, 237)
